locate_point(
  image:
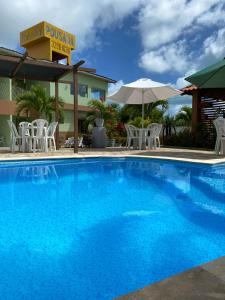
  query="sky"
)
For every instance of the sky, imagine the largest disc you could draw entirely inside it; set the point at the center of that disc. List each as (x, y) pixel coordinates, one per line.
(130, 39)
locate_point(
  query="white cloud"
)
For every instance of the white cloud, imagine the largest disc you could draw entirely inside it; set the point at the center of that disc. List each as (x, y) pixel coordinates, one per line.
(114, 87)
(214, 46)
(176, 103)
(83, 18)
(173, 109)
(163, 24)
(168, 58)
(212, 50)
(213, 16)
(163, 21)
(181, 82)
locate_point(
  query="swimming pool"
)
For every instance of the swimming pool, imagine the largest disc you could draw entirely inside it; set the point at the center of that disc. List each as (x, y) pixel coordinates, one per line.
(99, 228)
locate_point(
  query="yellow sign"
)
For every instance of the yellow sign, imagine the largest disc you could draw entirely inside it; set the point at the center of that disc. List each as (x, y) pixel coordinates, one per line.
(32, 34)
(60, 47)
(46, 41)
(62, 36)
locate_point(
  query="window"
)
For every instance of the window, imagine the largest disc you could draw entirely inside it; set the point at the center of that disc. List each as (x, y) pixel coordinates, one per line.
(97, 94)
(83, 90)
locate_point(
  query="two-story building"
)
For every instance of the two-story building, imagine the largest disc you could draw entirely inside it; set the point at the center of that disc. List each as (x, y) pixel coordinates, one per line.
(91, 86)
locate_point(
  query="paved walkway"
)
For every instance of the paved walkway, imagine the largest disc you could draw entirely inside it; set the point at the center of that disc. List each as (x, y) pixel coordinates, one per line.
(199, 156)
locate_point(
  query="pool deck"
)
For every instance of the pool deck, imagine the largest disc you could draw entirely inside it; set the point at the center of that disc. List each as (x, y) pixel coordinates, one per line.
(206, 282)
(198, 156)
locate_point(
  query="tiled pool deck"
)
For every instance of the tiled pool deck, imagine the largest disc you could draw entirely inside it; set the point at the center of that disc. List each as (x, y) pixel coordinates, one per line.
(206, 282)
(198, 156)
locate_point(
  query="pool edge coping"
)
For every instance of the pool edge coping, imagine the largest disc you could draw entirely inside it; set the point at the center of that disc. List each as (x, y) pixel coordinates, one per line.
(83, 156)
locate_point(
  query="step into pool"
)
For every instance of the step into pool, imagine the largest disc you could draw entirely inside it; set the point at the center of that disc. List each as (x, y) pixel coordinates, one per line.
(98, 228)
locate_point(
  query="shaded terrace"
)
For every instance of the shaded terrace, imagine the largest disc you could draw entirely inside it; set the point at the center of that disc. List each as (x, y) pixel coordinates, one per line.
(207, 105)
(17, 66)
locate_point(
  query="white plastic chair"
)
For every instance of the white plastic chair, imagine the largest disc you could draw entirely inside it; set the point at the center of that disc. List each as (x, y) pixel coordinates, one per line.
(39, 135)
(80, 142)
(25, 134)
(153, 139)
(51, 135)
(219, 124)
(133, 135)
(24, 126)
(16, 139)
(128, 133)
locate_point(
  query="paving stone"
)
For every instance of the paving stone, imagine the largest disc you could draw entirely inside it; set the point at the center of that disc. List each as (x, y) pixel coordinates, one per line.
(206, 282)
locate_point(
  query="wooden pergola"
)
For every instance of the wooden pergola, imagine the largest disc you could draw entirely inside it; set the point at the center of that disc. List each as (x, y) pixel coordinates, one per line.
(207, 105)
(16, 65)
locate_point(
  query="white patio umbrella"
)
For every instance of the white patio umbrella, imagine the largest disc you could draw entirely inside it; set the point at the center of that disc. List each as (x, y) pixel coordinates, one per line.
(143, 91)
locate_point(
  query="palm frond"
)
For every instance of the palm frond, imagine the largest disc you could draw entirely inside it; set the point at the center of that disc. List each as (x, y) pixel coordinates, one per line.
(38, 100)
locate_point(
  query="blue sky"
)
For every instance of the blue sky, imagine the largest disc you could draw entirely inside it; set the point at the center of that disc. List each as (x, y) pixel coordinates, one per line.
(129, 39)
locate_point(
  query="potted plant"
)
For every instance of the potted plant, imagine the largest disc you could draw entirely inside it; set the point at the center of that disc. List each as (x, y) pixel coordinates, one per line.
(99, 113)
(99, 122)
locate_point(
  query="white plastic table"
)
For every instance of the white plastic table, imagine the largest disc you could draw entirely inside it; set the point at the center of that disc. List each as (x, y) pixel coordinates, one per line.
(27, 139)
(142, 133)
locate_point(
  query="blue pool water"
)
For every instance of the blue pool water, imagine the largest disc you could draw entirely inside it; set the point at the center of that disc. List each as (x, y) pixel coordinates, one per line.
(99, 228)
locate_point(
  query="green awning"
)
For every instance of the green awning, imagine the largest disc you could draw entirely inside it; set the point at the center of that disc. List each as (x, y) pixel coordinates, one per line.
(212, 76)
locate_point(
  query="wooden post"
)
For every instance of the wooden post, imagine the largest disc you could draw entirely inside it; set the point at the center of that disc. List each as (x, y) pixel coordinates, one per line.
(75, 103)
(196, 110)
(57, 112)
(75, 109)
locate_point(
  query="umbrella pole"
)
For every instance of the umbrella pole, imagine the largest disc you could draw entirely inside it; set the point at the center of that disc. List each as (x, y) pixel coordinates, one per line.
(142, 114)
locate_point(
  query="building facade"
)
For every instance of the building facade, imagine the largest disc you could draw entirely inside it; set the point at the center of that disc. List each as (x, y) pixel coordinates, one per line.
(91, 86)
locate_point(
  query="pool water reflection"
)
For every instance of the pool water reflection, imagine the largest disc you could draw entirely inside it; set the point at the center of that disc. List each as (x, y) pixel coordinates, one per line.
(100, 228)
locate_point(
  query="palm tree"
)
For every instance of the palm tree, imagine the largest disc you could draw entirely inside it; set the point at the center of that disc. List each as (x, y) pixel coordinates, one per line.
(100, 110)
(184, 116)
(169, 125)
(38, 101)
(129, 112)
(151, 106)
(152, 111)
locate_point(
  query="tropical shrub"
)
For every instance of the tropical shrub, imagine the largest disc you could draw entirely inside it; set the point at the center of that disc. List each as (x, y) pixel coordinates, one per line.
(138, 122)
(105, 111)
(153, 111)
(38, 101)
(187, 139)
(184, 116)
(99, 109)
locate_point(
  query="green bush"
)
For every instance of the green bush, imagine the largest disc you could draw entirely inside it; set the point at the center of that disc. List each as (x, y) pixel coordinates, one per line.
(182, 139)
(138, 122)
(186, 139)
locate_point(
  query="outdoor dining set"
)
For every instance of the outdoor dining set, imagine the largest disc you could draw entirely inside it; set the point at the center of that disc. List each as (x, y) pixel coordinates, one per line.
(143, 137)
(219, 124)
(37, 136)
